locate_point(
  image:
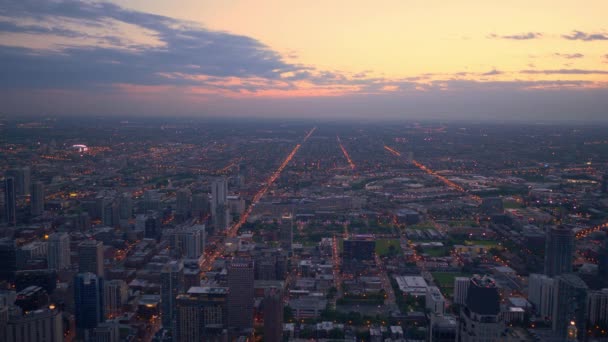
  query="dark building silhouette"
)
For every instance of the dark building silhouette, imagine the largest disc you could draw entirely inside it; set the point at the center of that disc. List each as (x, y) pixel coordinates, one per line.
(10, 201)
(90, 257)
(286, 231)
(8, 259)
(359, 248)
(47, 279)
(32, 298)
(559, 249)
(570, 305)
(240, 296)
(273, 315)
(201, 314)
(480, 318)
(37, 201)
(88, 303)
(603, 263)
(171, 284)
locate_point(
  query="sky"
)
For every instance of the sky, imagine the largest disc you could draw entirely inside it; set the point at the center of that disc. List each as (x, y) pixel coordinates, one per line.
(410, 59)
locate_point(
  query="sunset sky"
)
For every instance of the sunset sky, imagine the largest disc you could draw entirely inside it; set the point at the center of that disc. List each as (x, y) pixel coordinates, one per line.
(396, 59)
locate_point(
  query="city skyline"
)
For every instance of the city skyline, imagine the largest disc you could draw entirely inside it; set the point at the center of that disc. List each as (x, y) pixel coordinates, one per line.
(394, 60)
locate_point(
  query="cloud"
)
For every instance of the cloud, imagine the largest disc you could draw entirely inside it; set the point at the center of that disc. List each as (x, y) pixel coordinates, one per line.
(184, 48)
(492, 72)
(566, 72)
(570, 55)
(522, 36)
(587, 37)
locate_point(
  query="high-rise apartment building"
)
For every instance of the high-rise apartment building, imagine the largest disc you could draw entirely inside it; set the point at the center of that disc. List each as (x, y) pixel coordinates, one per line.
(273, 314)
(37, 201)
(240, 298)
(570, 305)
(559, 250)
(90, 257)
(58, 257)
(171, 284)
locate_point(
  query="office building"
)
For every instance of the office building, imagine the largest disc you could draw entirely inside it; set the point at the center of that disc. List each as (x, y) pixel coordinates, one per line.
(570, 305)
(480, 317)
(220, 210)
(171, 284)
(442, 328)
(435, 303)
(359, 248)
(106, 332)
(8, 259)
(240, 297)
(35, 326)
(58, 256)
(88, 303)
(115, 296)
(126, 206)
(598, 308)
(602, 267)
(10, 201)
(183, 205)
(189, 242)
(32, 252)
(201, 314)
(152, 226)
(559, 251)
(90, 257)
(541, 293)
(286, 231)
(22, 178)
(46, 279)
(37, 201)
(461, 286)
(273, 315)
(219, 193)
(200, 205)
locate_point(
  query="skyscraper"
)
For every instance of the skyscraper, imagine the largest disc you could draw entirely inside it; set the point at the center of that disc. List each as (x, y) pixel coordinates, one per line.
(183, 204)
(219, 207)
(39, 325)
(10, 201)
(480, 318)
(286, 231)
(273, 315)
(37, 202)
(59, 251)
(200, 205)
(152, 226)
(115, 295)
(126, 206)
(88, 303)
(240, 297)
(22, 177)
(570, 305)
(559, 249)
(8, 259)
(90, 257)
(461, 286)
(598, 307)
(541, 293)
(171, 284)
(201, 314)
(219, 193)
(190, 241)
(602, 270)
